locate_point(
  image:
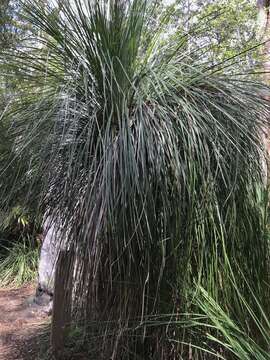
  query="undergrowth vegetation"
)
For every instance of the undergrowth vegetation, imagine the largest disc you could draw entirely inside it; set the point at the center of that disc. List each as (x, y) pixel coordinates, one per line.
(19, 246)
(18, 263)
(234, 336)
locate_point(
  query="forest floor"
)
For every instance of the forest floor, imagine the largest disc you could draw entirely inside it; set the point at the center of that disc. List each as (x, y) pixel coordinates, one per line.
(21, 323)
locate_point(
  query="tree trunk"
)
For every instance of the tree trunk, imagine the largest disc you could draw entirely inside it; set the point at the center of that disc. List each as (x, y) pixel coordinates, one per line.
(61, 319)
(48, 256)
(264, 37)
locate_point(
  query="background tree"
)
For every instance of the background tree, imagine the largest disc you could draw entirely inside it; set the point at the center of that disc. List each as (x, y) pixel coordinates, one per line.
(224, 27)
(18, 223)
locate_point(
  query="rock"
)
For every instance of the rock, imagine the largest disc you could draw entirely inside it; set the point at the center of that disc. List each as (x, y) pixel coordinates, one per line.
(43, 300)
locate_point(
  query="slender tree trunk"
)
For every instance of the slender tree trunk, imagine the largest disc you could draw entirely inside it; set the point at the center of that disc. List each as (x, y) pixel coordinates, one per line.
(264, 37)
(48, 257)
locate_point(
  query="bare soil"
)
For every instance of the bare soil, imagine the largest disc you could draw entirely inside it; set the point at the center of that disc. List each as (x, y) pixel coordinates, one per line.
(20, 322)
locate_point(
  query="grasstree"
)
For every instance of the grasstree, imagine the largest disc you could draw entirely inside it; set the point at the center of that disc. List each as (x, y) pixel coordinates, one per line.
(148, 159)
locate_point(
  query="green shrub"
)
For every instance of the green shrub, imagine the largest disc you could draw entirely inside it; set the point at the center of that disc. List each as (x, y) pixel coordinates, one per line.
(18, 263)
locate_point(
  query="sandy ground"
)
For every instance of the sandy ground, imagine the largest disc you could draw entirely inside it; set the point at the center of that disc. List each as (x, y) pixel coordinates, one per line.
(20, 322)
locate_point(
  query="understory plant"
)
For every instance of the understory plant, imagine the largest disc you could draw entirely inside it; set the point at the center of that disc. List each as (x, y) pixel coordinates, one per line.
(234, 336)
(149, 159)
(18, 263)
(19, 246)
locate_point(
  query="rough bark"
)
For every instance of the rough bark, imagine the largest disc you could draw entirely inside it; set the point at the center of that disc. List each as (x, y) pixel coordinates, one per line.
(61, 319)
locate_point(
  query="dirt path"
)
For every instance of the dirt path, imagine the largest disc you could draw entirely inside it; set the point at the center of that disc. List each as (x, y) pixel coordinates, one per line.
(20, 320)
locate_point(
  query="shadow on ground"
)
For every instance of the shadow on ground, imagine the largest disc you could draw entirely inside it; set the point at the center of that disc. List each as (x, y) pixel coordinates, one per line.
(24, 325)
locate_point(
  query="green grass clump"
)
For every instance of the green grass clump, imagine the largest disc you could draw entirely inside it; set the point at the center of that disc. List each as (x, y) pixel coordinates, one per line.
(18, 263)
(239, 340)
